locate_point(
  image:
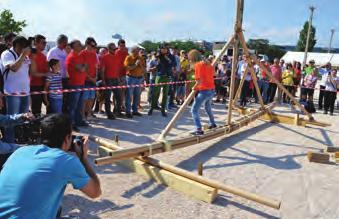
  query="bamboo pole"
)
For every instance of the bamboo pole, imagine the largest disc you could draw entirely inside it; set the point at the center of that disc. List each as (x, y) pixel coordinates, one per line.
(239, 88)
(268, 72)
(215, 184)
(234, 67)
(160, 147)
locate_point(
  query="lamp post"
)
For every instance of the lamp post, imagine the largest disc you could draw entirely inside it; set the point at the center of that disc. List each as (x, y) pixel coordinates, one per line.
(331, 39)
(312, 8)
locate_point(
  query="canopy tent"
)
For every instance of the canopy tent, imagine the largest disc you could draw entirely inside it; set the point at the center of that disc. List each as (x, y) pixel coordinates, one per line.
(319, 58)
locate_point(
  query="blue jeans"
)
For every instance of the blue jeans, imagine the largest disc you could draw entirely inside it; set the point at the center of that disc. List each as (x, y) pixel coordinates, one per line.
(15, 105)
(263, 85)
(75, 104)
(56, 105)
(133, 92)
(203, 97)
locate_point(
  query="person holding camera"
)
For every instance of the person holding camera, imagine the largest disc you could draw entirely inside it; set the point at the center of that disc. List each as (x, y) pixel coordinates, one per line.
(6, 149)
(34, 178)
(16, 63)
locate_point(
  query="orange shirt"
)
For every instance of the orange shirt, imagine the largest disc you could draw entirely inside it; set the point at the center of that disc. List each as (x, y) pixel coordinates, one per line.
(205, 74)
(109, 62)
(139, 70)
(41, 67)
(121, 56)
(76, 77)
(91, 59)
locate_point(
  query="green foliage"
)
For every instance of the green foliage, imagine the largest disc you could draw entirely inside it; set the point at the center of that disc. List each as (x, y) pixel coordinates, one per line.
(8, 24)
(180, 45)
(263, 46)
(301, 45)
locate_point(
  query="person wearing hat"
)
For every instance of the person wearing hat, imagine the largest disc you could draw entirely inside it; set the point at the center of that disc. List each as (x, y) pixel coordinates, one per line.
(308, 70)
(204, 76)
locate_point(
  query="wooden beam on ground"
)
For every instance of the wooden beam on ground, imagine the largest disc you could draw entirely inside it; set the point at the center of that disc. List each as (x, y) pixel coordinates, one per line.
(318, 157)
(331, 149)
(179, 183)
(163, 146)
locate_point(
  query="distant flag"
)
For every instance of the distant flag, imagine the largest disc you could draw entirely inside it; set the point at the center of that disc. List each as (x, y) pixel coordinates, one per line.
(117, 36)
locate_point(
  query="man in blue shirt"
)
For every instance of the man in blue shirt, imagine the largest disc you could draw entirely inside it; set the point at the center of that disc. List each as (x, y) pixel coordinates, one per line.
(34, 178)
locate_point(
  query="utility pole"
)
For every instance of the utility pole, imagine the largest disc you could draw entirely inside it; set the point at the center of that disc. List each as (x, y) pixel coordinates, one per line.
(331, 39)
(312, 8)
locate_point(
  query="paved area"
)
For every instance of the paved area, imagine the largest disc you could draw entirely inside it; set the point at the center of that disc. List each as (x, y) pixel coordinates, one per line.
(268, 159)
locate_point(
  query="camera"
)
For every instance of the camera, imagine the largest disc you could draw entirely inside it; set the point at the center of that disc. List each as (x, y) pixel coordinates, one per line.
(79, 141)
(31, 45)
(29, 132)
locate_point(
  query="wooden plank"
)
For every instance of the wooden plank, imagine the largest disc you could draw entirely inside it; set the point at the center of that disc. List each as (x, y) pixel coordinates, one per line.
(331, 149)
(318, 157)
(179, 183)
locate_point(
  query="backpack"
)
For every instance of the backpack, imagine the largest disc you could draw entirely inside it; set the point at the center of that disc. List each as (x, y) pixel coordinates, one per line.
(5, 72)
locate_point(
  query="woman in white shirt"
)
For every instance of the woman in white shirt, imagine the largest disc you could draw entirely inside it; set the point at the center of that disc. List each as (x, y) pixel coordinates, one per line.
(331, 91)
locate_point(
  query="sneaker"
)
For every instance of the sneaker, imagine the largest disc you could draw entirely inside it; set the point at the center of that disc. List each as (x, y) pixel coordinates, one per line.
(111, 117)
(325, 112)
(197, 133)
(93, 116)
(120, 115)
(212, 126)
(331, 114)
(163, 113)
(150, 111)
(129, 115)
(137, 114)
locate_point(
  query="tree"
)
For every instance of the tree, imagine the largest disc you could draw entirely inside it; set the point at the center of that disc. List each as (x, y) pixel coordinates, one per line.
(301, 45)
(263, 46)
(8, 24)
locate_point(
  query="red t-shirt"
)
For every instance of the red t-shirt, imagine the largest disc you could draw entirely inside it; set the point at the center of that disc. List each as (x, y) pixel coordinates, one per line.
(205, 74)
(76, 77)
(41, 67)
(109, 62)
(121, 56)
(91, 59)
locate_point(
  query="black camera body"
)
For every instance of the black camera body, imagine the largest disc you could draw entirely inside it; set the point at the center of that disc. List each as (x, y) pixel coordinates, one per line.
(79, 141)
(29, 132)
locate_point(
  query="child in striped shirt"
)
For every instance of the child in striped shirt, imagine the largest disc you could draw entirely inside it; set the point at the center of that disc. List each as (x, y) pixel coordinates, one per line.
(54, 83)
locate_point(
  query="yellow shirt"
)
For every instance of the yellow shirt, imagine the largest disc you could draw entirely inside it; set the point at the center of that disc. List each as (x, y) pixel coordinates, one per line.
(287, 77)
(185, 65)
(138, 71)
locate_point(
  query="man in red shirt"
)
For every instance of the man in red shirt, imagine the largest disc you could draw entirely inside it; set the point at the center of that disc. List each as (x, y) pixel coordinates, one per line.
(39, 68)
(110, 77)
(121, 54)
(204, 76)
(91, 60)
(76, 69)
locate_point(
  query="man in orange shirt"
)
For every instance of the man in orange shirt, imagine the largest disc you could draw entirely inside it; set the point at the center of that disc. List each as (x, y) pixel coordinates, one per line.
(110, 77)
(91, 60)
(204, 76)
(39, 67)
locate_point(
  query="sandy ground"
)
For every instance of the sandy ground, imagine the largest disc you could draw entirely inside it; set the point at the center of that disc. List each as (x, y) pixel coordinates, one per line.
(268, 159)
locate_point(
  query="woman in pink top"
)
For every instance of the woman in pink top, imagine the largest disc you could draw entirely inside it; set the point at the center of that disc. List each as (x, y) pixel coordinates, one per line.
(309, 83)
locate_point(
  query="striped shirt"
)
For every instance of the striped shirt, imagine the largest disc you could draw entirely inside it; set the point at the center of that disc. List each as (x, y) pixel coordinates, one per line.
(55, 83)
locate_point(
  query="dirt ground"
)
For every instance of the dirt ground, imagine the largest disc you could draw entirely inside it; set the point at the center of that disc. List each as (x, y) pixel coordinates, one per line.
(264, 158)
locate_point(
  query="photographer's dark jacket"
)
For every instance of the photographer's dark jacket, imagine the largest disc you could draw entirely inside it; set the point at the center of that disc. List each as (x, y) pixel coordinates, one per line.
(8, 121)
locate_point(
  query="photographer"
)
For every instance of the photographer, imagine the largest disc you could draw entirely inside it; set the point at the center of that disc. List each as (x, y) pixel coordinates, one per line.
(34, 178)
(16, 64)
(10, 121)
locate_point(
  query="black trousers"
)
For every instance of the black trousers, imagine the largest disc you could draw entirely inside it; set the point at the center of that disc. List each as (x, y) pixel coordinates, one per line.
(65, 108)
(321, 96)
(272, 89)
(244, 93)
(117, 97)
(330, 98)
(286, 99)
(36, 100)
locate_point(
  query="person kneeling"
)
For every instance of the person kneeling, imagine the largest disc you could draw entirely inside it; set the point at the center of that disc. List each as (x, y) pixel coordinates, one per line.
(204, 76)
(34, 178)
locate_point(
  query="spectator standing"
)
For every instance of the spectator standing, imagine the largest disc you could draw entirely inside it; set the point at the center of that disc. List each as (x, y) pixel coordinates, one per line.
(8, 38)
(121, 54)
(135, 72)
(91, 60)
(110, 77)
(39, 68)
(174, 56)
(331, 87)
(59, 53)
(263, 81)
(246, 86)
(185, 66)
(164, 74)
(152, 69)
(309, 69)
(76, 69)
(297, 77)
(324, 72)
(287, 81)
(53, 84)
(276, 73)
(100, 96)
(16, 63)
(309, 85)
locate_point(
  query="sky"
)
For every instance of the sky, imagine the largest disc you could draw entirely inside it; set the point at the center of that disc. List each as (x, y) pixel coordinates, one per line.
(279, 21)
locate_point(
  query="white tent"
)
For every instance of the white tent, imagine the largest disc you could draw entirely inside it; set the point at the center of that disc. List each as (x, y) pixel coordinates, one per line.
(319, 58)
